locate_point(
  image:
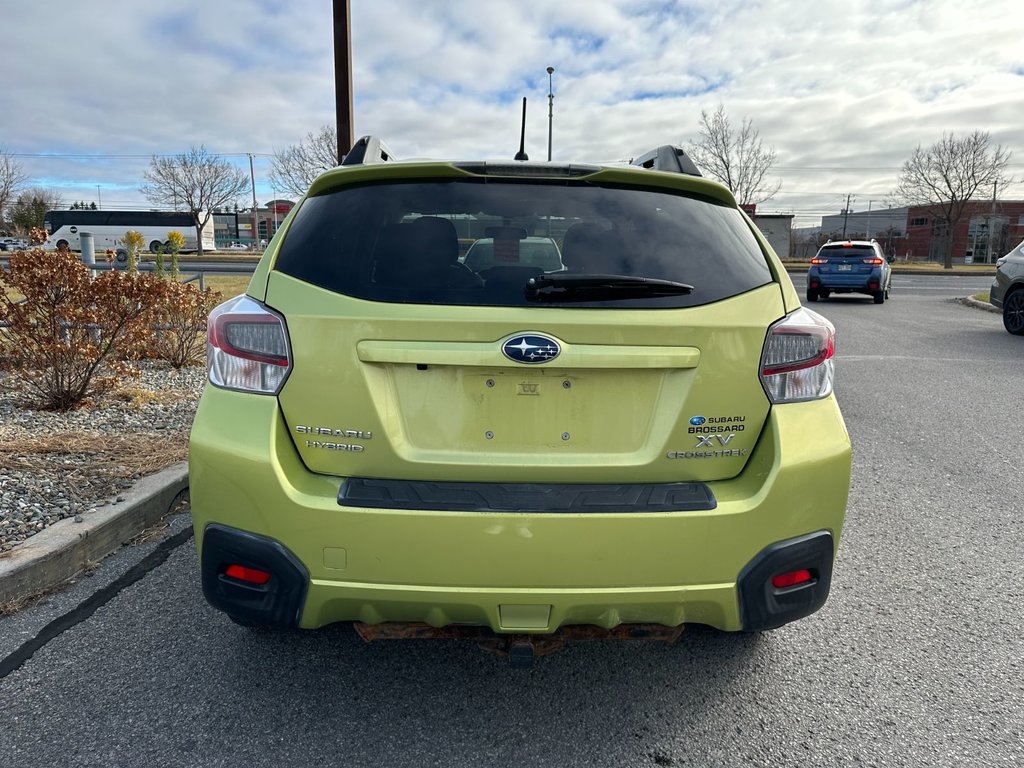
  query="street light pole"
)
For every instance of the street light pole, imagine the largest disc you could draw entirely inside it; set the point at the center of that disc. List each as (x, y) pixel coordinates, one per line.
(868, 233)
(551, 105)
(255, 222)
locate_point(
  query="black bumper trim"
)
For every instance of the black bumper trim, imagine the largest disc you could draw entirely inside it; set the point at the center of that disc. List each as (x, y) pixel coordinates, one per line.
(278, 603)
(525, 497)
(763, 606)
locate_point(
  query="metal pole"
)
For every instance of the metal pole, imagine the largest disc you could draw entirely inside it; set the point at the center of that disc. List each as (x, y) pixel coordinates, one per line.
(255, 224)
(343, 75)
(551, 105)
(868, 233)
(99, 197)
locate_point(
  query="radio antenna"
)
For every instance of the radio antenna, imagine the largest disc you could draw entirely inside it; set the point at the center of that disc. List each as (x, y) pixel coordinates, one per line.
(521, 154)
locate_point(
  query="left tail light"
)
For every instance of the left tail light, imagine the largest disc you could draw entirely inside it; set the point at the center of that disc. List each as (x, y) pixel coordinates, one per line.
(248, 347)
(796, 364)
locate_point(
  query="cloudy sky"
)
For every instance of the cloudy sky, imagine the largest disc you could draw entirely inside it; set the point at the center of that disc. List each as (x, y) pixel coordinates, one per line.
(844, 91)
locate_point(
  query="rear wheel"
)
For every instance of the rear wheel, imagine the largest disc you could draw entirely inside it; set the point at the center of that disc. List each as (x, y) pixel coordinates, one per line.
(62, 245)
(824, 294)
(155, 246)
(1013, 312)
(879, 297)
(812, 295)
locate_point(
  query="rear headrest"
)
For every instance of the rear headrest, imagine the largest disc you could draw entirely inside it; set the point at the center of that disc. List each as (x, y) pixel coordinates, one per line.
(589, 247)
(436, 240)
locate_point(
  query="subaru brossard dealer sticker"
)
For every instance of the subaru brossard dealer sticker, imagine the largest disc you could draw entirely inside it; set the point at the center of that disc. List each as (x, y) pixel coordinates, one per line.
(530, 348)
(713, 435)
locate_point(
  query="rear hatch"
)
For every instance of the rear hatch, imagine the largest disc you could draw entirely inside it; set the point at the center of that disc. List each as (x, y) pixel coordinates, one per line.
(408, 365)
(846, 260)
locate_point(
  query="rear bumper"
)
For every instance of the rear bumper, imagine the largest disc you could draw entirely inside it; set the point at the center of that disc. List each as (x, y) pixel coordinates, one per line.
(515, 572)
(280, 602)
(845, 281)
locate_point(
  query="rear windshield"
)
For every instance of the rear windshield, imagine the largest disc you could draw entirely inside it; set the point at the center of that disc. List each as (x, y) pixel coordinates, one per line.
(852, 251)
(479, 242)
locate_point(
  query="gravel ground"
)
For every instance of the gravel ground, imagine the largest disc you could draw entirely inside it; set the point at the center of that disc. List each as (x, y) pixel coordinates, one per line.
(57, 465)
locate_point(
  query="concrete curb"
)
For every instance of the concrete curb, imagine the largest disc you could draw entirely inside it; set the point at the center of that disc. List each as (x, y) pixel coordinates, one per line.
(62, 550)
(970, 301)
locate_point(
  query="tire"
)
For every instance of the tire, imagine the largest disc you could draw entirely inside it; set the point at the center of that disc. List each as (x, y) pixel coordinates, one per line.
(812, 295)
(63, 245)
(1013, 312)
(824, 294)
(155, 246)
(122, 256)
(879, 297)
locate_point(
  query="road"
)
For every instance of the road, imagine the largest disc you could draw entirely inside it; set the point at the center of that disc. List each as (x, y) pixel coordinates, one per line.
(916, 660)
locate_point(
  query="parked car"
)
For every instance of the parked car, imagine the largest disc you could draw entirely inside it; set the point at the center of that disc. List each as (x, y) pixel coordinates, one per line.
(640, 435)
(1007, 291)
(850, 266)
(519, 250)
(13, 244)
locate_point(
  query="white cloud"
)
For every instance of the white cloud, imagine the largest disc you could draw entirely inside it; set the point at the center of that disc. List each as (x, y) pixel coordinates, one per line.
(832, 85)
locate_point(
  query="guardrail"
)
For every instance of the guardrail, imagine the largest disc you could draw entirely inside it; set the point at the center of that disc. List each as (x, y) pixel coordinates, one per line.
(198, 273)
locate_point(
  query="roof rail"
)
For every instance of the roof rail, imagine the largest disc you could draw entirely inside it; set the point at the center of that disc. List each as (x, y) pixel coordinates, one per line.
(667, 158)
(367, 150)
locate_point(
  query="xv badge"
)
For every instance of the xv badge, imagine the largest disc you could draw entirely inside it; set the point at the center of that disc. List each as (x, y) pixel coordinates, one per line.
(705, 441)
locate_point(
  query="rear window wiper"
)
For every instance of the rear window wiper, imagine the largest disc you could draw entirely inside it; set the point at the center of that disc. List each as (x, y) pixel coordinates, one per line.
(564, 286)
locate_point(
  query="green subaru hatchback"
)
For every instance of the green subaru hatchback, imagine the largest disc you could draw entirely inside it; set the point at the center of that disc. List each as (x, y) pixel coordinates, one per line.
(642, 433)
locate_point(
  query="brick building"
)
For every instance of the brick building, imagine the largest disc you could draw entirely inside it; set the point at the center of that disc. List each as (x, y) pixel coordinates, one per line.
(985, 232)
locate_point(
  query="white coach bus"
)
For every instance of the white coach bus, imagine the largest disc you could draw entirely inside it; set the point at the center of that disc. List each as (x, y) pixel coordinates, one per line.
(108, 227)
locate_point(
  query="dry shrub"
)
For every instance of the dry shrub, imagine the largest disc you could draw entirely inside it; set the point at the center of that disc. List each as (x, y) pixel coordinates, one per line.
(108, 456)
(180, 319)
(67, 334)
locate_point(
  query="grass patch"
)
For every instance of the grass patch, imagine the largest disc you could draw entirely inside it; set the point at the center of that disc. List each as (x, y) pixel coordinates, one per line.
(228, 285)
(982, 297)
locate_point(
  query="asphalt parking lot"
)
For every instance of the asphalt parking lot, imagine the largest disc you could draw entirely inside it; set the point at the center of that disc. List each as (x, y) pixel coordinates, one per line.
(916, 660)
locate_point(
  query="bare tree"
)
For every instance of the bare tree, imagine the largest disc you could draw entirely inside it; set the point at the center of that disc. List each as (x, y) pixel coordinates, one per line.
(944, 177)
(197, 180)
(737, 158)
(11, 179)
(295, 167)
(30, 206)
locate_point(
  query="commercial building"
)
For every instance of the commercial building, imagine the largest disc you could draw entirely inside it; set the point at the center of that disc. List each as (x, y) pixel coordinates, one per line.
(986, 231)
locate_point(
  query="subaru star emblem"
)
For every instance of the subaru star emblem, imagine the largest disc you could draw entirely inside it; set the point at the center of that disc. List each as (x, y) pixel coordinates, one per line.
(530, 349)
(697, 420)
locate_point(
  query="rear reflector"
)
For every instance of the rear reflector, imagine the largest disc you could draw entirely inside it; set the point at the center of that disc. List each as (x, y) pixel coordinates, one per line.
(248, 575)
(791, 579)
(796, 364)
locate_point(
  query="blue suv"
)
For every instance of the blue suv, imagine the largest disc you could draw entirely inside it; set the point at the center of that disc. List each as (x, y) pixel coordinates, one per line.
(849, 266)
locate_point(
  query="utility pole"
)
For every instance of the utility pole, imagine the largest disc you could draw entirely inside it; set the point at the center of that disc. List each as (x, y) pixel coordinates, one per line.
(846, 214)
(343, 75)
(991, 221)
